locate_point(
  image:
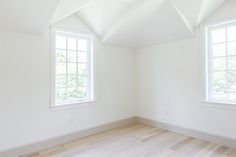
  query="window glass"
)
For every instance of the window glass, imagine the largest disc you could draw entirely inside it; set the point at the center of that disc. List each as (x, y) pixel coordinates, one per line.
(222, 63)
(72, 68)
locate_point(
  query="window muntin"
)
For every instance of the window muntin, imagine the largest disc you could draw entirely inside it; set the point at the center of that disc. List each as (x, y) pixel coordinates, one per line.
(222, 63)
(73, 66)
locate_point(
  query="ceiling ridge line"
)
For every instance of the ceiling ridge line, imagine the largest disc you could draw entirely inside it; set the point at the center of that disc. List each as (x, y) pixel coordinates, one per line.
(61, 12)
(136, 9)
(203, 18)
(186, 22)
(200, 12)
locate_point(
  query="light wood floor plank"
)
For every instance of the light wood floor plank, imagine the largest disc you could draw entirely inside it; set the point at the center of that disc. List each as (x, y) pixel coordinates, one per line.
(136, 141)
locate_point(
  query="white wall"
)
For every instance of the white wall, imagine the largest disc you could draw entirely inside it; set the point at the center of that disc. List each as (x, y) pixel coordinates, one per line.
(25, 116)
(169, 87)
(170, 84)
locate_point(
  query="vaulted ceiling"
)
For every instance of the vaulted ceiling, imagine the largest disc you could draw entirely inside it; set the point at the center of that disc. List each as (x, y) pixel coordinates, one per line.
(137, 23)
(129, 23)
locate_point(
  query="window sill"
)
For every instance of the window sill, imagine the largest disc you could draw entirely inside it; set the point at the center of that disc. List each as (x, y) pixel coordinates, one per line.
(220, 104)
(73, 105)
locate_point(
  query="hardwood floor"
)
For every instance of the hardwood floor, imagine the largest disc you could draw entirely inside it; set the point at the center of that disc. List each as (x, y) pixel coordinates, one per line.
(137, 141)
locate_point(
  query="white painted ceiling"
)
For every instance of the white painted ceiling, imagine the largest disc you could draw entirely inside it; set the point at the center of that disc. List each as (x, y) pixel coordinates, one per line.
(26, 16)
(137, 23)
(129, 23)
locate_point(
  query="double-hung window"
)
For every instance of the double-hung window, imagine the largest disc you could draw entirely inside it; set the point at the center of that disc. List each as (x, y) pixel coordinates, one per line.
(221, 63)
(72, 60)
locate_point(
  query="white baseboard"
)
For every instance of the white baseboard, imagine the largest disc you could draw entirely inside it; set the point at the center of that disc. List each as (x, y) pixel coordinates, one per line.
(64, 139)
(189, 132)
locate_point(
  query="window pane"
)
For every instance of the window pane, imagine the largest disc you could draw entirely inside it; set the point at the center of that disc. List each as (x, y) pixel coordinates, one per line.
(232, 85)
(82, 81)
(219, 50)
(60, 56)
(60, 68)
(60, 81)
(72, 81)
(82, 58)
(220, 91)
(71, 43)
(219, 63)
(219, 78)
(232, 63)
(72, 94)
(82, 92)
(231, 33)
(72, 68)
(231, 48)
(82, 45)
(61, 94)
(82, 69)
(219, 85)
(60, 42)
(231, 77)
(218, 36)
(232, 92)
(72, 56)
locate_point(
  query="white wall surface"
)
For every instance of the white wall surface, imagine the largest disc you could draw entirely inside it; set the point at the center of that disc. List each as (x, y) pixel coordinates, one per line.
(170, 85)
(25, 116)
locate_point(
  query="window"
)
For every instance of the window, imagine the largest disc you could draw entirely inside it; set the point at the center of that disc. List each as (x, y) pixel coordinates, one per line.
(221, 63)
(72, 68)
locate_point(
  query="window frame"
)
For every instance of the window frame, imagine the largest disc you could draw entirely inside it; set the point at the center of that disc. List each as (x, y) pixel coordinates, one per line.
(91, 80)
(209, 61)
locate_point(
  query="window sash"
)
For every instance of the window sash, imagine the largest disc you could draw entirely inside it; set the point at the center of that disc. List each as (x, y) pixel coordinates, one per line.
(210, 57)
(88, 65)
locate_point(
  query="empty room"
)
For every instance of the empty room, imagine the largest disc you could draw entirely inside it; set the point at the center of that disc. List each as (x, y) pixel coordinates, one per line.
(117, 78)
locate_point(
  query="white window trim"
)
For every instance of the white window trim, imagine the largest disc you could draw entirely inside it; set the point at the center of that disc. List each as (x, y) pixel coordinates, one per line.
(85, 103)
(207, 52)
